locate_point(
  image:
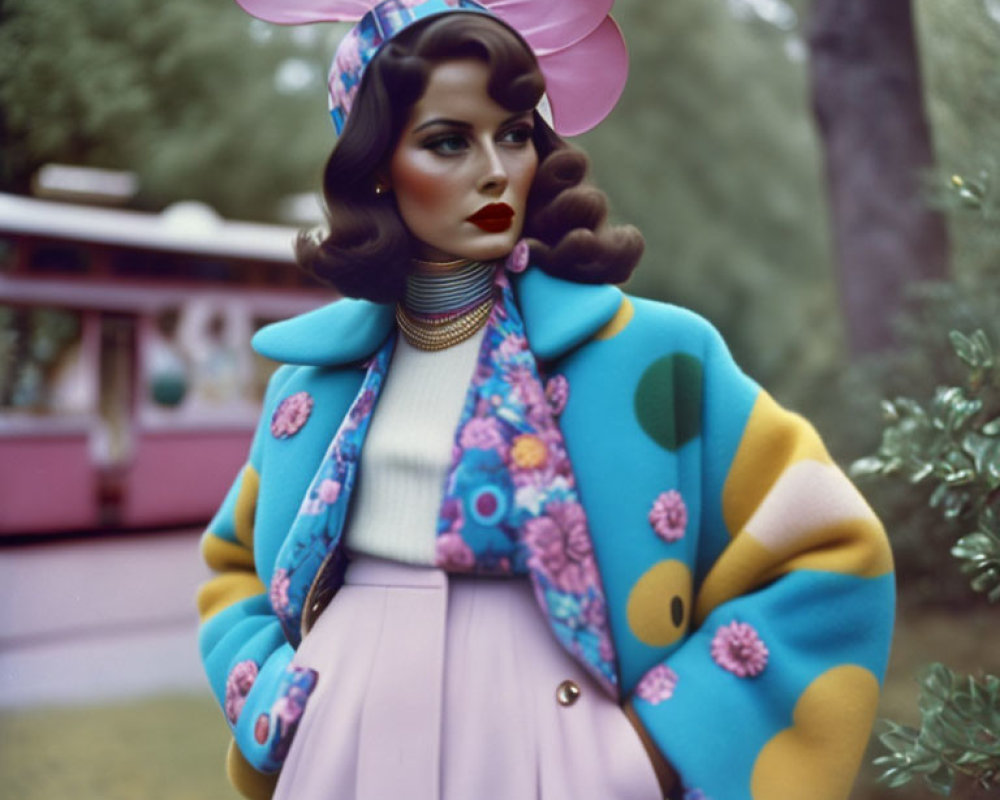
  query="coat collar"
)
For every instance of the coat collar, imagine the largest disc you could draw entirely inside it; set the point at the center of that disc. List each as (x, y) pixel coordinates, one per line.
(558, 316)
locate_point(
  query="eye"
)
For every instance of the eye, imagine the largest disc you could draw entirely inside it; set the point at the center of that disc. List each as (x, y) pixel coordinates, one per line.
(516, 135)
(446, 144)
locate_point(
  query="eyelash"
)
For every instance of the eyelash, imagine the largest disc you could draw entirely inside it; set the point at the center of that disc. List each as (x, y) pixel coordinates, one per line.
(441, 144)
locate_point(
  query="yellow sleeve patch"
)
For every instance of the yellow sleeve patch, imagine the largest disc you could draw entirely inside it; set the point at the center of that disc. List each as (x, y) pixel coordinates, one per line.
(246, 506)
(248, 782)
(223, 590)
(774, 439)
(222, 555)
(817, 757)
(852, 547)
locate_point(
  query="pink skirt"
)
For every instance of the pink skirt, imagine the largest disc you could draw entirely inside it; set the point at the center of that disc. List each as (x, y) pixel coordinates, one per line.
(452, 688)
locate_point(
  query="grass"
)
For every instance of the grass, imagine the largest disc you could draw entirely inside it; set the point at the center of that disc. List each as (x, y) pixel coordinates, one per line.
(173, 748)
(165, 748)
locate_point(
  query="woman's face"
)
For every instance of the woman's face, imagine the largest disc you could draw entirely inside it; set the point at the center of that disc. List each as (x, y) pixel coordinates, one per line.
(463, 167)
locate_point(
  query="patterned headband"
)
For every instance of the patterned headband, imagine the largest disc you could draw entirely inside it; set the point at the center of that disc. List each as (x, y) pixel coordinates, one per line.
(580, 49)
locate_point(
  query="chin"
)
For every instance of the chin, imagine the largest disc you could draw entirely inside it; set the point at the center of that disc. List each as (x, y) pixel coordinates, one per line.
(490, 248)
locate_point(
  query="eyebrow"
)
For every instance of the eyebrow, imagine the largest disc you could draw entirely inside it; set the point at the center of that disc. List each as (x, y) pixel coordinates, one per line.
(455, 123)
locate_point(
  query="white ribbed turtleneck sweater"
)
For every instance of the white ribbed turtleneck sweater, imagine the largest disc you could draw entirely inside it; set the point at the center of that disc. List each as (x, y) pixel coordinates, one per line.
(408, 451)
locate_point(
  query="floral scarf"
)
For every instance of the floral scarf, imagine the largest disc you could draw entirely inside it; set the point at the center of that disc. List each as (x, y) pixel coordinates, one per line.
(510, 505)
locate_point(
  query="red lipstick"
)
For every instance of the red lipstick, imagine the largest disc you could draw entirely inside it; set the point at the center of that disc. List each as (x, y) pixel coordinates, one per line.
(493, 218)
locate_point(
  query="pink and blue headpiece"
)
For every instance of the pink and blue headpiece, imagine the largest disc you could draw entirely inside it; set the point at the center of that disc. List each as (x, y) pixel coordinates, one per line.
(579, 48)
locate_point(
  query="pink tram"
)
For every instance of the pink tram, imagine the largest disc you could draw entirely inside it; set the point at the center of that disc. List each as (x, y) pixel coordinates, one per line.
(128, 390)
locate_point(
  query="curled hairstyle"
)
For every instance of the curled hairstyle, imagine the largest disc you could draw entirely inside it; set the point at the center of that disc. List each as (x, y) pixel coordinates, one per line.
(367, 250)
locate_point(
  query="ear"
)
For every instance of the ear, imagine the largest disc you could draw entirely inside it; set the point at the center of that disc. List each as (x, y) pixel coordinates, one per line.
(381, 181)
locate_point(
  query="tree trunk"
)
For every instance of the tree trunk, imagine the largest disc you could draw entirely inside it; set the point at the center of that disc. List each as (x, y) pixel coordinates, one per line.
(868, 103)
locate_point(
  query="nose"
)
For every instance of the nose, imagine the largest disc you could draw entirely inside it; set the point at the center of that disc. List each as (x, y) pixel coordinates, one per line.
(493, 180)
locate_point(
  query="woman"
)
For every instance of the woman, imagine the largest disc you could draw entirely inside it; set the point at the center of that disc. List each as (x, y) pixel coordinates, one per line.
(585, 555)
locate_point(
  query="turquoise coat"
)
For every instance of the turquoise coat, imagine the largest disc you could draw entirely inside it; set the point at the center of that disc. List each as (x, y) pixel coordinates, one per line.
(749, 586)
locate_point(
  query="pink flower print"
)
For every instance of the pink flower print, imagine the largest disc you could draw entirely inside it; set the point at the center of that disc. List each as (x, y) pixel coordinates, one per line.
(451, 512)
(526, 386)
(560, 547)
(278, 592)
(291, 414)
(511, 346)
(348, 55)
(362, 408)
(451, 551)
(557, 393)
(337, 91)
(286, 710)
(482, 433)
(669, 516)
(657, 685)
(329, 491)
(517, 261)
(238, 684)
(738, 648)
(606, 649)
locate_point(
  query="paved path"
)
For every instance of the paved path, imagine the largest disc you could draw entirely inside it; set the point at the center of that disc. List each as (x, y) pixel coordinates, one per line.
(97, 619)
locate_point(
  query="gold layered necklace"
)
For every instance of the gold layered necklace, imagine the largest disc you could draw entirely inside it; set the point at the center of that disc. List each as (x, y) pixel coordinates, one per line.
(446, 303)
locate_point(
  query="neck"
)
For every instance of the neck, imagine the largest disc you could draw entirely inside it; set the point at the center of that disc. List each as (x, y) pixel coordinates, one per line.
(437, 289)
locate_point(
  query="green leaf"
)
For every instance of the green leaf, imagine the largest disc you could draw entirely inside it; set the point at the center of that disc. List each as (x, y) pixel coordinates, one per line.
(963, 347)
(992, 428)
(867, 467)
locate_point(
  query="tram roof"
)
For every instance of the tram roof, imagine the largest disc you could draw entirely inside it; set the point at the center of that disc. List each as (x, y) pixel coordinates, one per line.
(184, 227)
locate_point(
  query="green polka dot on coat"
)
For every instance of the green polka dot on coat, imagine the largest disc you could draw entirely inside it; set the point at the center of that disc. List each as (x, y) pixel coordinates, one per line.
(668, 400)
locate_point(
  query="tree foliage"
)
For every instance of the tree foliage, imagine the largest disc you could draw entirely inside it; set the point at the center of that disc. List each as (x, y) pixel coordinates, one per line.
(953, 444)
(186, 94)
(712, 153)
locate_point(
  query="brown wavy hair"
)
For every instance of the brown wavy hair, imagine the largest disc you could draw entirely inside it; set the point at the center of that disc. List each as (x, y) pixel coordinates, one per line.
(367, 249)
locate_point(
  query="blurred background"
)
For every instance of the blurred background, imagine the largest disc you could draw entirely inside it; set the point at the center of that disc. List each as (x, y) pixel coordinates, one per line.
(817, 177)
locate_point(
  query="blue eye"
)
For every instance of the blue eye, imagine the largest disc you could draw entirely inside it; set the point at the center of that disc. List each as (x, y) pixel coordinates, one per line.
(518, 135)
(447, 145)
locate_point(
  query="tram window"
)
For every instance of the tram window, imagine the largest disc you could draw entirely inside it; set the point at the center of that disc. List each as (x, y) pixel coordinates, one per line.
(63, 259)
(6, 255)
(166, 266)
(42, 366)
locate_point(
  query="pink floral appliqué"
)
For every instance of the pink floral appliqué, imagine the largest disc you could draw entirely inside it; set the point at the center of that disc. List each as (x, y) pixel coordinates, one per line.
(738, 648)
(557, 393)
(669, 516)
(657, 685)
(291, 414)
(238, 685)
(278, 592)
(517, 261)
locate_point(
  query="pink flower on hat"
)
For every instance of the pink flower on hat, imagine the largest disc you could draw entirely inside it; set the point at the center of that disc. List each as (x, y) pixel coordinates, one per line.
(669, 516)
(657, 685)
(738, 648)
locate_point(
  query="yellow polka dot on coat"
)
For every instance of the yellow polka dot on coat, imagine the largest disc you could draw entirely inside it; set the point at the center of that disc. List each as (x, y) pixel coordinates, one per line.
(817, 756)
(619, 322)
(659, 605)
